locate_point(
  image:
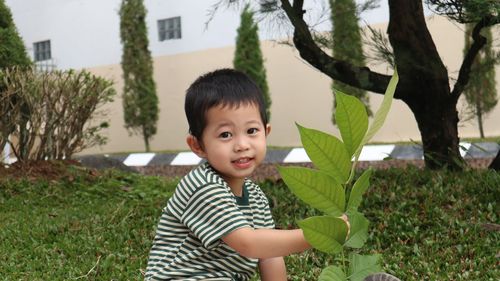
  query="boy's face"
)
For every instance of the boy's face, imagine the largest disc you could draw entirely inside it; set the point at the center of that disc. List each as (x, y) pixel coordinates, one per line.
(233, 142)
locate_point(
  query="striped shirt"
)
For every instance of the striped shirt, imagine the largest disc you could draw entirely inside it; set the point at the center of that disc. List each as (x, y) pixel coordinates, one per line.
(188, 244)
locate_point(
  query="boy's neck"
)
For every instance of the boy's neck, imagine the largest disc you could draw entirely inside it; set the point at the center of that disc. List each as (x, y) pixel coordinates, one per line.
(236, 186)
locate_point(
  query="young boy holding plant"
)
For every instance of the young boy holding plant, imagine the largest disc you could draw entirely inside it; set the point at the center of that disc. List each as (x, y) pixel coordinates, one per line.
(218, 225)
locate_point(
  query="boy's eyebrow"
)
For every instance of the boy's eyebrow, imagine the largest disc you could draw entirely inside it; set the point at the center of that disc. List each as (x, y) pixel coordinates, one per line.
(254, 121)
(229, 123)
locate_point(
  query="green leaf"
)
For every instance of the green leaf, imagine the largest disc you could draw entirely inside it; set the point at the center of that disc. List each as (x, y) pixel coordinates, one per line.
(378, 119)
(332, 273)
(352, 120)
(381, 114)
(315, 188)
(325, 233)
(359, 188)
(359, 230)
(362, 266)
(327, 152)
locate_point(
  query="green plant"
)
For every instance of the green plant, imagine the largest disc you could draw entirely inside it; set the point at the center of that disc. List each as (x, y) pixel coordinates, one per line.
(12, 50)
(62, 106)
(140, 102)
(330, 189)
(347, 45)
(248, 55)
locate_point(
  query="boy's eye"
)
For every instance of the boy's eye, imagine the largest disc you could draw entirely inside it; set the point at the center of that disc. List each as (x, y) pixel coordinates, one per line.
(225, 135)
(252, 131)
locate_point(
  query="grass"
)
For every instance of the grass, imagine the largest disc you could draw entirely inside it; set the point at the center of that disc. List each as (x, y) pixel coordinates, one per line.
(427, 225)
(98, 229)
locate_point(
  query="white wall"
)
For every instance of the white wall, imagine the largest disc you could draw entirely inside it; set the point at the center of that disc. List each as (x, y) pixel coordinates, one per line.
(85, 33)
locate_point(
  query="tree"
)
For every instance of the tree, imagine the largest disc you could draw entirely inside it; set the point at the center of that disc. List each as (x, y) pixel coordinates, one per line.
(481, 92)
(347, 45)
(12, 50)
(12, 53)
(140, 103)
(248, 55)
(424, 83)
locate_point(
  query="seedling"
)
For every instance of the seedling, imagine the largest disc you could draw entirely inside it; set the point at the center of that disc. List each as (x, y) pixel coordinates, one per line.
(331, 189)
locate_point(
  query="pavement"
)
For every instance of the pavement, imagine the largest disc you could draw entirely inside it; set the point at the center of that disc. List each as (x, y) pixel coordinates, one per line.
(298, 155)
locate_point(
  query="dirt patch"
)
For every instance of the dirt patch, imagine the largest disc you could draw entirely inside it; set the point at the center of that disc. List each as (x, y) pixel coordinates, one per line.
(47, 170)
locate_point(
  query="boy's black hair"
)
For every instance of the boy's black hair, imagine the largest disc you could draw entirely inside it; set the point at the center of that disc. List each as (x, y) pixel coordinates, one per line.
(226, 87)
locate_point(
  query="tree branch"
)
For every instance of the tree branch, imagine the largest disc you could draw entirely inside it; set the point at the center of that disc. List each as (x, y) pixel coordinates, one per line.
(360, 77)
(477, 45)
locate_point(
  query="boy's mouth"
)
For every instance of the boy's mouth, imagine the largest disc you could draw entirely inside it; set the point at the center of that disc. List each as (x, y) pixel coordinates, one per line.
(243, 162)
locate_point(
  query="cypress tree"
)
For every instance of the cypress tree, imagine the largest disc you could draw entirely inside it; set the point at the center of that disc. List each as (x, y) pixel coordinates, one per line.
(12, 53)
(248, 55)
(12, 50)
(140, 103)
(480, 93)
(347, 45)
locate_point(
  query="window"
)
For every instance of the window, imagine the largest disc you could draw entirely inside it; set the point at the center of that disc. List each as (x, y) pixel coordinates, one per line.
(42, 50)
(169, 29)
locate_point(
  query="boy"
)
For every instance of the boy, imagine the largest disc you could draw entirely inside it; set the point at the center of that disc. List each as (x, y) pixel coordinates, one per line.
(218, 225)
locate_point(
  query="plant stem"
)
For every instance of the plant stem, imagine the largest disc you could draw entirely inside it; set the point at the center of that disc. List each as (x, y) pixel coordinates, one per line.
(343, 262)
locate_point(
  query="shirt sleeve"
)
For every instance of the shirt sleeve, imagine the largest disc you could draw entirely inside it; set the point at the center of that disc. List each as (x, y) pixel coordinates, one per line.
(211, 213)
(265, 215)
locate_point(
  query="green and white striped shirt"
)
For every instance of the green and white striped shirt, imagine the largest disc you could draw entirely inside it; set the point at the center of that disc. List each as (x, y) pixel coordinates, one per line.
(188, 244)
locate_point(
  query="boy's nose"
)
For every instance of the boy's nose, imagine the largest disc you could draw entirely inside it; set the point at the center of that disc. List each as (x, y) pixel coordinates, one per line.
(241, 144)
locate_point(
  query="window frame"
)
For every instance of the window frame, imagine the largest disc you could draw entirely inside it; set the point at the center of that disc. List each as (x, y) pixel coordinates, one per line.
(42, 50)
(169, 29)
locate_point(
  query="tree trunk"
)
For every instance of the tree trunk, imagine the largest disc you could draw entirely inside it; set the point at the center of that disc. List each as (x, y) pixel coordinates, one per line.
(479, 113)
(495, 164)
(424, 85)
(146, 139)
(439, 131)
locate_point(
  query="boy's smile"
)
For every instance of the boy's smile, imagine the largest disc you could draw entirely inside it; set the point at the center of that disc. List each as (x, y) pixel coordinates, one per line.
(233, 142)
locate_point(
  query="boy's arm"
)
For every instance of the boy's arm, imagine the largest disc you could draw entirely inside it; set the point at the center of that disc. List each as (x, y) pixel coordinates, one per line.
(272, 269)
(266, 243)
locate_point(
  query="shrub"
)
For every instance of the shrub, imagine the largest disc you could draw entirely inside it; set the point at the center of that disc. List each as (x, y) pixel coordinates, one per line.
(53, 112)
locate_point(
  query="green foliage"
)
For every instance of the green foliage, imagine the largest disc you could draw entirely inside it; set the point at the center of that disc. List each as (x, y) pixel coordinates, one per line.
(315, 188)
(466, 11)
(328, 188)
(12, 50)
(79, 227)
(352, 121)
(481, 93)
(347, 46)
(248, 55)
(327, 152)
(62, 106)
(140, 103)
(427, 225)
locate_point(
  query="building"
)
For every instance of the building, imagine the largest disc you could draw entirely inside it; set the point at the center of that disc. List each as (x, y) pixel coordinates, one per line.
(84, 34)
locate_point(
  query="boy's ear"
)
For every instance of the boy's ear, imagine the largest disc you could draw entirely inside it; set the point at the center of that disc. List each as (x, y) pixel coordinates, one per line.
(268, 129)
(195, 146)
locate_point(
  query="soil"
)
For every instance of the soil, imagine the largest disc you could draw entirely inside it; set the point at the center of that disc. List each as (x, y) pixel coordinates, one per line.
(47, 170)
(55, 170)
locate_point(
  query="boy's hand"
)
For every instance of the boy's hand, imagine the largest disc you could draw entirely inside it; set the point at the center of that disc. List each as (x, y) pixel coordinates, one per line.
(346, 219)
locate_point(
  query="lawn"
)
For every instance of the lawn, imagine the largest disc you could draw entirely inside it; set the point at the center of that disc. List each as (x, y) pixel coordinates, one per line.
(426, 225)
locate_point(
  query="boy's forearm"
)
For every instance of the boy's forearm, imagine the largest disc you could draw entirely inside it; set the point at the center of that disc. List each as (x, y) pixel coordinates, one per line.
(266, 243)
(272, 269)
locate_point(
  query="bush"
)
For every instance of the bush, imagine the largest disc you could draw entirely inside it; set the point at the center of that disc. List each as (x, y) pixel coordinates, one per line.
(52, 112)
(427, 225)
